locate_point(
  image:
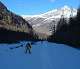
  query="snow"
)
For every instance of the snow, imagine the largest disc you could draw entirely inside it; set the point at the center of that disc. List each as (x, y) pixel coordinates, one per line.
(42, 22)
(55, 13)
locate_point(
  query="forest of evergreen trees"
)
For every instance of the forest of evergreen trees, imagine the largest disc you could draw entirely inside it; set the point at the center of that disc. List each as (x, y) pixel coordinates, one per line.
(68, 32)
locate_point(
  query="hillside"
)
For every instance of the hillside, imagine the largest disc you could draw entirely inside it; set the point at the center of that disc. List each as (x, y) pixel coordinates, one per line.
(12, 26)
(42, 23)
(67, 32)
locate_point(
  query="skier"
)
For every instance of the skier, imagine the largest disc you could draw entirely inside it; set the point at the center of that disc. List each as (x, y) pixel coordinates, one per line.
(28, 48)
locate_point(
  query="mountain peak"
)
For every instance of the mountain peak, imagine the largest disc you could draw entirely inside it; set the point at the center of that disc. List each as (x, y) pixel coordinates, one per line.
(66, 11)
(66, 7)
(42, 22)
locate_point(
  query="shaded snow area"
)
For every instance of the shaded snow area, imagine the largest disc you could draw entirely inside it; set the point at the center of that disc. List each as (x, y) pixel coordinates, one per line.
(44, 56)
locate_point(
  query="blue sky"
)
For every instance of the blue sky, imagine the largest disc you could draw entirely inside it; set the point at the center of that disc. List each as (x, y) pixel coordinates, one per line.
(31, 7)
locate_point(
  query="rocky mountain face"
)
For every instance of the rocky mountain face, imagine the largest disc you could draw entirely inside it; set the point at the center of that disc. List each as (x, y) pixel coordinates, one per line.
(42, 23)
(59, 25)
(13, 27)
(11, 21)
(63, 24)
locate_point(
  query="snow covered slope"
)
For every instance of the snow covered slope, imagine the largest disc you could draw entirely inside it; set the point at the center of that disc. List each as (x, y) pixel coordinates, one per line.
(41, 23)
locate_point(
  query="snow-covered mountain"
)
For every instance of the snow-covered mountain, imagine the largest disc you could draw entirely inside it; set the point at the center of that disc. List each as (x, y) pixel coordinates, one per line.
(42, 23)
